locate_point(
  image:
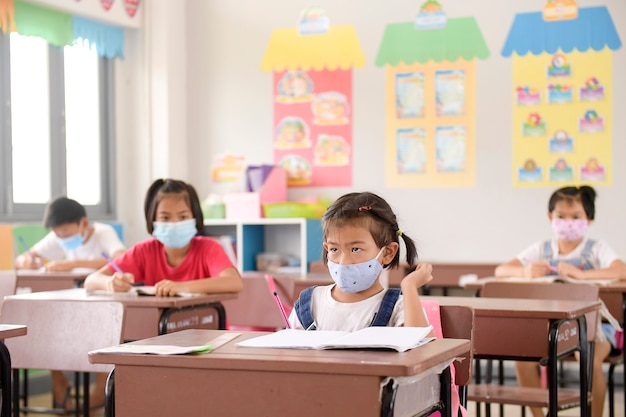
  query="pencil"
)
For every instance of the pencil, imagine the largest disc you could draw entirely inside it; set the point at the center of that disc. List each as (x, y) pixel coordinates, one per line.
(112, 263)
(282, 309)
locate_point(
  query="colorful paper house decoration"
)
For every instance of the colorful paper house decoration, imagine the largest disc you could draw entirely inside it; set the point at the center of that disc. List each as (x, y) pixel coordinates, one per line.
(430, 101)
(312, 92)
(563, 71)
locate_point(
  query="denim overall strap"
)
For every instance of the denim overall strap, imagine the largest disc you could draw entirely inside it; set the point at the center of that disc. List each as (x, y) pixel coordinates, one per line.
(547, 256)
(547, 250)
(586, 255)
(583, 262)
(382, 317)
(303, 309)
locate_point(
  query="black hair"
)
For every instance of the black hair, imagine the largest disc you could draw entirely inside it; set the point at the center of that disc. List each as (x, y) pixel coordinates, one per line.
(373, 212)
(162, 187)
(585, 194)
(63, 210)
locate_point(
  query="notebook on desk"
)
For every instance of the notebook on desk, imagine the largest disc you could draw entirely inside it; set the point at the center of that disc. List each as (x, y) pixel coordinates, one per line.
(399, 339)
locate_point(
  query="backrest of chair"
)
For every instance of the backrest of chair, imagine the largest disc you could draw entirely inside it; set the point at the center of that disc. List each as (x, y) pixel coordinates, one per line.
(547, 291)
(255, 306)
(60, 333)
(454, 322)
(457, 322)
(8, 283)
(6, 247)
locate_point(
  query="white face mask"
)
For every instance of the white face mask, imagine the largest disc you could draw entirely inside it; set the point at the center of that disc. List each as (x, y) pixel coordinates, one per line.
(353, 278)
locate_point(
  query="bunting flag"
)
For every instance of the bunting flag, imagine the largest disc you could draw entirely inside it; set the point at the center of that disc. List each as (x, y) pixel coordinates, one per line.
(55, 27)
(7, 16)
(106, 39)
(61, 29)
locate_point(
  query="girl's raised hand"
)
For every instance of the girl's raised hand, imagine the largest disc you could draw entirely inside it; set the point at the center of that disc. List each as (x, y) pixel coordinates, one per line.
(419, 277)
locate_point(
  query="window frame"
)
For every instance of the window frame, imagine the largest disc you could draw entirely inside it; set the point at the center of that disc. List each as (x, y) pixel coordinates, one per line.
(13, 212)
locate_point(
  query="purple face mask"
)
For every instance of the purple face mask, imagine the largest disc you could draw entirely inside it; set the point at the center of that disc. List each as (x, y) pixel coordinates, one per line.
(569, 230)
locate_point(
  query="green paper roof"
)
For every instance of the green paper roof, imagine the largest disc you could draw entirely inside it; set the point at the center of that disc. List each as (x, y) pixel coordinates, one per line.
(402, 43)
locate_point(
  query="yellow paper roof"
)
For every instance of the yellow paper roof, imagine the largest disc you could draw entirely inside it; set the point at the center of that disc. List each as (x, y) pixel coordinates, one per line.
(337, 48)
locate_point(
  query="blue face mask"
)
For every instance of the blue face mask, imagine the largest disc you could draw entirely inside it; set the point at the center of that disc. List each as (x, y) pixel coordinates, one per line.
(175, 235)
(72, 242)
(353, 278)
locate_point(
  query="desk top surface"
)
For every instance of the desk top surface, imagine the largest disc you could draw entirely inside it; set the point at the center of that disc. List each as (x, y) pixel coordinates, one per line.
(12, 330)
(230, 356)
(521, 308)
(76, 274)
(128, 299)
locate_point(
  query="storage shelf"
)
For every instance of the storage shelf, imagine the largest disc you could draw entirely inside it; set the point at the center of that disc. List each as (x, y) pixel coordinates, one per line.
(297, 237)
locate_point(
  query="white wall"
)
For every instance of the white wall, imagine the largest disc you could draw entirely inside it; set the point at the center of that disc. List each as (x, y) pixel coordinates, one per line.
(227, 106)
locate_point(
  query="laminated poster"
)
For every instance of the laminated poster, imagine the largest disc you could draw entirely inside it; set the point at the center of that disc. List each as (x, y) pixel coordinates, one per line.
(562, 95)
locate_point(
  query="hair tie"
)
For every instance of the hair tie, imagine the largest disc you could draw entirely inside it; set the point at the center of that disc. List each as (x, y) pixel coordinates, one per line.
(365, 208)
(399, 232)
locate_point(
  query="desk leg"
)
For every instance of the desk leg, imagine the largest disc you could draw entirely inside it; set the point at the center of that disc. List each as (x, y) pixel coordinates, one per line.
(16, 393)
(584, 369)
(445, 391)
(109, 395)
(5, 379)
(388, 399)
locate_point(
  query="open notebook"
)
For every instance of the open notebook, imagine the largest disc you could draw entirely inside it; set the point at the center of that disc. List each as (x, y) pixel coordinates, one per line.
(395, 338)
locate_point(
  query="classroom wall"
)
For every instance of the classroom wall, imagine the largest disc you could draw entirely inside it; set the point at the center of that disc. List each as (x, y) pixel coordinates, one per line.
(226, 106)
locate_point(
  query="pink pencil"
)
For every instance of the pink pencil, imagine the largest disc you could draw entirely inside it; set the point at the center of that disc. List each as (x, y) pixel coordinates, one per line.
(282, 309)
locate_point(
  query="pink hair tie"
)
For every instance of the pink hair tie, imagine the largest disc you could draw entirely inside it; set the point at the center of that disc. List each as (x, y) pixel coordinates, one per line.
(365, 208)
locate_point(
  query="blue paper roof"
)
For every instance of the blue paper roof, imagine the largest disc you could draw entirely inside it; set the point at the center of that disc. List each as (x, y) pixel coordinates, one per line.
(593, 28)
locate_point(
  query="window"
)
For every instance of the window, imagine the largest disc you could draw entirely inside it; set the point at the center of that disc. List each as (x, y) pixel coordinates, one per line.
(56, 132)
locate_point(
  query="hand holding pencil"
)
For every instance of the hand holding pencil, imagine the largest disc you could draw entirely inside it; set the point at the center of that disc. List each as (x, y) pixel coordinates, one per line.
(31, 260)
(120, 281)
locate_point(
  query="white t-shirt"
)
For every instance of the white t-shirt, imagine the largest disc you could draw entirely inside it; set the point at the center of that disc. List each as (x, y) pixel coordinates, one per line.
(103, 239)
(329, 314)
(601, 256)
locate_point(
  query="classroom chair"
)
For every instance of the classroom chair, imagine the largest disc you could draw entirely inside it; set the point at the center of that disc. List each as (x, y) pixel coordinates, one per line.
(8, 283)
(61, 343)
(255, 307)
(488, 393)
(456, 322)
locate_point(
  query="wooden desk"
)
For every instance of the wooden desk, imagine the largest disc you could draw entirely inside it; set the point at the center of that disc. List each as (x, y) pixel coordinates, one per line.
(234, 381)
(7, 331)
(446, 276)
(38, 280)
(511, 328)
(148, 316)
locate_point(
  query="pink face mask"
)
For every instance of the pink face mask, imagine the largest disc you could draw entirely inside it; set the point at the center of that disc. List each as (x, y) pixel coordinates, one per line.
(570, 230)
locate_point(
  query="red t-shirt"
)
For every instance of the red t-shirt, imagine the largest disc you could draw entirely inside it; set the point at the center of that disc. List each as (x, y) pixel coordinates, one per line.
(147, 261)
